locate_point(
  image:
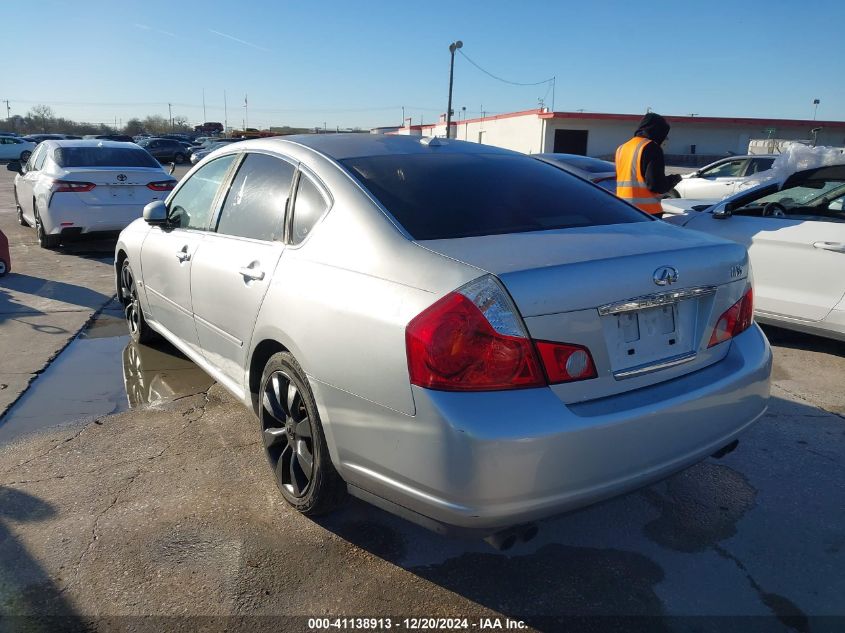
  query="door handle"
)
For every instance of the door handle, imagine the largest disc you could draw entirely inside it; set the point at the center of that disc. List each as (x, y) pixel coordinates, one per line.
(183, 255)
(836, 247)
(251, 273)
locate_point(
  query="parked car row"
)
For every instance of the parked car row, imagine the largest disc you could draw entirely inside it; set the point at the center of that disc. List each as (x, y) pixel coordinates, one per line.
(533, 343)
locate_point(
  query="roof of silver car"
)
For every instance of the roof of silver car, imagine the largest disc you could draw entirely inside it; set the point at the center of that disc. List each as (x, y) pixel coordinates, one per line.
(342, 146)
(97, 142)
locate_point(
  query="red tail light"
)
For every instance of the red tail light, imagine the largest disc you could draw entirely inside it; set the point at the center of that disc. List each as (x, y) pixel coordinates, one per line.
(566, 363)
(734, 320)
(66, 186)
(474, 340)
(451, 346)
(164, 185)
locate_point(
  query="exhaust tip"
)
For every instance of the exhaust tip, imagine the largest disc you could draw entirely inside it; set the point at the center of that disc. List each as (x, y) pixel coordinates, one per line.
(529, 533)
(507, 538)
(726, 449)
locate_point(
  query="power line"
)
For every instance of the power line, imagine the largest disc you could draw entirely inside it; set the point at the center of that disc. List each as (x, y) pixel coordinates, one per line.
(507, 81)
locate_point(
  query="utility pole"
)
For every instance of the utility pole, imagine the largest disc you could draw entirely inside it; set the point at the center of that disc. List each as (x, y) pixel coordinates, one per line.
(403, 116)
(452, 48)
(204, 117)
(170, 114)
(225, 114)
(8, 110)
(246, 112)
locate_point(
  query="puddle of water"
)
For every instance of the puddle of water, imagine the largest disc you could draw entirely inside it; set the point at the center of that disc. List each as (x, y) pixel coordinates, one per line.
(99, 373)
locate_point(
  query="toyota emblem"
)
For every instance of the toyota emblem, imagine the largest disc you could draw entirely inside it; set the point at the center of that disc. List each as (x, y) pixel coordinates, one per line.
(665, 276)
(121, 177)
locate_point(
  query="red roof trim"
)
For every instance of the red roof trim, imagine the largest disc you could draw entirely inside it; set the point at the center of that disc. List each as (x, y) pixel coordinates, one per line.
(602, 116)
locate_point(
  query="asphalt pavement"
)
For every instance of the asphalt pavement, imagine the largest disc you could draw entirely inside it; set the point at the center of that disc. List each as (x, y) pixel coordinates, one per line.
(164, 516)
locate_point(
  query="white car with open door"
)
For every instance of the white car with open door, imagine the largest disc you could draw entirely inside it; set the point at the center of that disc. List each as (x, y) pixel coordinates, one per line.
(71, 188)
(722, 178)
(794, 229)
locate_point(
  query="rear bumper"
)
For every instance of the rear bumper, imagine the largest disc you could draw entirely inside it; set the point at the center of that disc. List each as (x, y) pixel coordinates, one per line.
(85, 218)
(487, 461)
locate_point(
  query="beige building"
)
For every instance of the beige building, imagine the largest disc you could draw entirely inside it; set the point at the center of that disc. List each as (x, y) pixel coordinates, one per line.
(599, 134)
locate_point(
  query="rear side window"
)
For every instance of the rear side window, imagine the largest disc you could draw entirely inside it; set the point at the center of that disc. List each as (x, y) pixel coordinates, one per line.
(255, 204)
(443, 196)
(309, 208)
(103, 157)
(191, 207)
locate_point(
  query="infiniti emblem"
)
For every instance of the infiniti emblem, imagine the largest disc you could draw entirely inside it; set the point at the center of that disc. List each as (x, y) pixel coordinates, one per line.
(121, 177)
(665, 275)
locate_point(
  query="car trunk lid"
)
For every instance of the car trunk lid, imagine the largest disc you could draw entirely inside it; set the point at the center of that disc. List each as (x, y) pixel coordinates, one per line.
(598, 287)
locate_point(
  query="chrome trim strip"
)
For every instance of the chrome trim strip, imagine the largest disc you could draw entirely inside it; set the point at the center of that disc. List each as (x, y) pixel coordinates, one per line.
(647, 369)
(655, 300)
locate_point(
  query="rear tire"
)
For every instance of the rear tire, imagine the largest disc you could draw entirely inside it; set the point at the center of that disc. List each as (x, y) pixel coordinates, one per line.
(139, 329)
(44, 239)
(673, 194)
(4, 268)
(25, 155)
(19, 210)
(293, 439)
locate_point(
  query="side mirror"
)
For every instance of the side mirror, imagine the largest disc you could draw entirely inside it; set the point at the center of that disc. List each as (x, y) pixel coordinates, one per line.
(723, 214)
(15, 166)
(171, 169)
(155, 213)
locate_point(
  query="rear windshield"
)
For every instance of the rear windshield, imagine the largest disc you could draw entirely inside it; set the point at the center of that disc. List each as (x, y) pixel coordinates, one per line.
(443, 196)
(103, 157)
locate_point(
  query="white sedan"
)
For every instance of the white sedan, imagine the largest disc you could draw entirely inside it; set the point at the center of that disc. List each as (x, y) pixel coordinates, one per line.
(15, 148)
(722, 178)
(794, 229)
(70, 188)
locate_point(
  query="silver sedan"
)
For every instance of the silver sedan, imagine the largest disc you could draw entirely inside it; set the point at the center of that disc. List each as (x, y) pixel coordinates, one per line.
(460, 334)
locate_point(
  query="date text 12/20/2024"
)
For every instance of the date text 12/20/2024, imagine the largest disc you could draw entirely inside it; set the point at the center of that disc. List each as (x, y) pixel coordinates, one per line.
(416, 624)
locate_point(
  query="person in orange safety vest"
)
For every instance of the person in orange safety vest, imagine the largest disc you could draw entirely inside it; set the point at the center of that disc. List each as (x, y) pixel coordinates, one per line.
(640, 170)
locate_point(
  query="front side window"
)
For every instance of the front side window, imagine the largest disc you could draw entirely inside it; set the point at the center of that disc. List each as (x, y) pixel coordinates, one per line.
(728, 169)
(308, 209)
(444, 196)
(191, 206)
(256, 201)
(759, 164)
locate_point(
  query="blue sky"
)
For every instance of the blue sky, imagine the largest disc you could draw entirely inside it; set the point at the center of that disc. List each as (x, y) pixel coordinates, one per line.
(349, 64)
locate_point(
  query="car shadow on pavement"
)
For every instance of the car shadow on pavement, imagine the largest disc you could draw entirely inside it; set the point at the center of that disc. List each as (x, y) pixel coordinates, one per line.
(47, 289)
(29, 599)
(798, 340)
(626, 563)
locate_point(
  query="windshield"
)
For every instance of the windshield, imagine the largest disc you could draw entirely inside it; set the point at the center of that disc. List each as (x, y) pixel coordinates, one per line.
(103, 157)
(443, 196)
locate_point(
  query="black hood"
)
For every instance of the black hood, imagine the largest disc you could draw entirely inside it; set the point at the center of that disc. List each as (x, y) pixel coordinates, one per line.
(654, 127)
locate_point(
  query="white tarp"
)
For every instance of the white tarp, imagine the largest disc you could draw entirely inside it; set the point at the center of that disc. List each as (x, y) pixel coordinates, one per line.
(797, 157)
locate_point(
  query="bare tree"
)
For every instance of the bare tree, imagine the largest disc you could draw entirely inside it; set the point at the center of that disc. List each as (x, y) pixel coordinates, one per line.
(42, 114)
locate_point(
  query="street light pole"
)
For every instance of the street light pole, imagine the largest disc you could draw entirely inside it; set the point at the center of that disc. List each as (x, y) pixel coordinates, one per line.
(452, 48)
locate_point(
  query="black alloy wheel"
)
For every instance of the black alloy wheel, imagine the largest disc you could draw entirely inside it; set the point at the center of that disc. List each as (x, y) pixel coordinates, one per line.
(293, 439)
(25, 155)
(139, 330)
